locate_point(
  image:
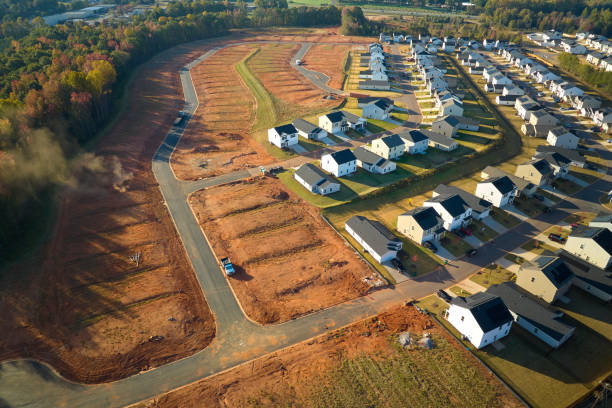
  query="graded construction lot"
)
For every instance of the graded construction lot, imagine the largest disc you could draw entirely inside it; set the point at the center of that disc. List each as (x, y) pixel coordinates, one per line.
(115, 274)
(217, 139)
(329, 59)
(361, 365)
(289, 261)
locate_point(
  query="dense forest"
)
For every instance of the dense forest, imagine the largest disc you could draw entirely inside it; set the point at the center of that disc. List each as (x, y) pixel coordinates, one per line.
(57, 85)
(592, 76)
(355, 23)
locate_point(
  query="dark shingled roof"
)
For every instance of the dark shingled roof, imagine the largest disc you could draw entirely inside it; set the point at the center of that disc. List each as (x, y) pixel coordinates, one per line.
(288, 128)
(502, 184)
(338, 116)
(541, 165)
(476, 203)
(454, 204)
(602, 236)
(377, 236)
(414, 136)
(343, 156)
(570, 154)
(426, 217)
(488, 310)
(305, 126)
(556, 159)
(365, 156)
(591, 274)
(524, 305)
(392, 140)
(553, 268)
(311, 174)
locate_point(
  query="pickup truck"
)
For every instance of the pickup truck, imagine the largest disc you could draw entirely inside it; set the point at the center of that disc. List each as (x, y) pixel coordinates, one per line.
(227, 266)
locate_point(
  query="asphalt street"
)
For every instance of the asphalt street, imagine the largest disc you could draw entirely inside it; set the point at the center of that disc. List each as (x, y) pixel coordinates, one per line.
(238, 340)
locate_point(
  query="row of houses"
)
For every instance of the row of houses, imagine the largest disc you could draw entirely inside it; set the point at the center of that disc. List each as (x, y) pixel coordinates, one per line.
(375, 76)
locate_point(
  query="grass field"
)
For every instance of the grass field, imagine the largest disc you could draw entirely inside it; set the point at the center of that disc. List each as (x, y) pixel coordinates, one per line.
(529, 206)
(505, 219)
(550, 196)
(566, 186)
(514, 258)
(482, 231)
(343, 196)
(491, 275)
(460, 291)
(538, 247)
(455, 245)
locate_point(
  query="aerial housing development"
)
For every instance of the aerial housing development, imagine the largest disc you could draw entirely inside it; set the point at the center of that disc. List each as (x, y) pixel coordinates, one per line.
(335, 205)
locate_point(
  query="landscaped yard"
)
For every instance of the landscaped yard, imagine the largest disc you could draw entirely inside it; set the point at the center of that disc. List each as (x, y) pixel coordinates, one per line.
(538, 247)
(459, 291)
(482, 231)
(529, 206)
(343, 196)
(566, 186)
(492, 275)
(550, 196)
(514, 258)
(505, 219)
(376, 126)
(455, 245)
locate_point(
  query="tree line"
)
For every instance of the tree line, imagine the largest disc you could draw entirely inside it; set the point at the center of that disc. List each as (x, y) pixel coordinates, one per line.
(57, 85)
(586, 72)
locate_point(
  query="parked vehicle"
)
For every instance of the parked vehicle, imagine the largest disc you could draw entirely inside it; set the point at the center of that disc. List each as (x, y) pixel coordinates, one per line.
(556, 238)
(471, 252)
(540, 94)
(563, 108)
(298, 62)
(444, 296)
(466, 231)
(227, 266)
(430, 245)
(574, 225)
(539, 197)
(546, 210)
(595, 129)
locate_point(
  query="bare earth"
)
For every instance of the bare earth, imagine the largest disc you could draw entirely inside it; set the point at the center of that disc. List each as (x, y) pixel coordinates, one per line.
(292, 377)
(328, 59)
(289, 261)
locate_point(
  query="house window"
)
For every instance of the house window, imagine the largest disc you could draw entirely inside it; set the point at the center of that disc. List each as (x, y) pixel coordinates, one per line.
(461, 318)
(532, 279)
(413, 227)
(581, 246)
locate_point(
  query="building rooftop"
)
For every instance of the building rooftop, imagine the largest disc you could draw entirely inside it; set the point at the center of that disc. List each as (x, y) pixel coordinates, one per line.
(305, 126)
(288, 129)
(376, 235)
(553, 268)
(426, 217)
(365, 156)
(311, 174)
(583, 270)
(392, 140)
(475, 203)
(343, 156)
(488, 310)
(503, 184)
(602, 236)
(454, 204)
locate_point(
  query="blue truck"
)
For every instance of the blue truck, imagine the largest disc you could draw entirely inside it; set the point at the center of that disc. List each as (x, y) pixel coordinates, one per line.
(227, 266)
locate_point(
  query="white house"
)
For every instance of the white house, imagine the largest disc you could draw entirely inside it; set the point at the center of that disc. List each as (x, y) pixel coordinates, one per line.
(483, 318)
(499, 191)
(561, 137)
(314, 180)
(379, 109)
(546, 76)
(374, 237)
(309, 130)
(283, 136)
(567, 90)
(573, 47)
(453, 210)
(340, 121)
(372, 162)
(512, 90)
(451, 107)
(594, 245)
(415, 141)
(340, 163)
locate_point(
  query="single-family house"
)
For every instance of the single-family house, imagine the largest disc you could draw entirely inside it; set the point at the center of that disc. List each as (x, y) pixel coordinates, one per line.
(538, 319)
(561, 137)
(557, 162)
(309, 130)
(524, 187)
(379, 109)
(572, 47)
(283, 136)
(372, 162)
(415, 141)
(602, 116)
(594, 57)
(499, 191)
(594, 245)
(542, 77)
(451, 107)
(421, 224)
(483, 318)
(480, 208)
(537, 172)
(525, 106)
(340, 163)
(455, 212)
(390, 147)
(315, 180)
(374, 237)
(591, 279)
(488, 44)
(574, 156)
(546, 277)
(340, 121)
(512, 90)
(567, 90)
(370, 84)
(507, 100)
(441, 142)
(602, 220)
(543, 118)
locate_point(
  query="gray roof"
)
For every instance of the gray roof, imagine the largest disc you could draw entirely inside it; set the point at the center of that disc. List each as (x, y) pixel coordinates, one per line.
(519, 182)
(454, 204)
(343, 156)
(591, 274)
(365, 156)
(553, 268)
(524, 305)
(570, 154)
(376, 235)
(338, 116)
(502, 184)
(439, 138)
(488, 310)
(555, 158)
(393, 140)
(426, 217)
(306, 126)
(414, 135)
(311, 174)
(602, 236)
(475, 203)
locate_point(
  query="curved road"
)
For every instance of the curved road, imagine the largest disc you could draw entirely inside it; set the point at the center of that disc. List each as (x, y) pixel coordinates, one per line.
(238, 340)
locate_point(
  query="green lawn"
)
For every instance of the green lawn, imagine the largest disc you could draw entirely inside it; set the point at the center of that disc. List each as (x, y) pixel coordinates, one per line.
(550, 196)
(514, 258)
(566, 186)
(343, 196)
(460, 291)
(581, 217)
(538, 247)
(455, 245)
(505, 219)
(492, 275)
(482, 231)
(375, 125)
(529, 206)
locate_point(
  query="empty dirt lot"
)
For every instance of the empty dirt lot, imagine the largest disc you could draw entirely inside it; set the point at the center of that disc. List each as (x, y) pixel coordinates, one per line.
(217, 139)
(82, 304)
(357, 366)
(328, 59)
(289, 261)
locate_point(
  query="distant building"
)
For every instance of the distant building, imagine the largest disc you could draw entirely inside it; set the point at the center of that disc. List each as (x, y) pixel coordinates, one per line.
(594, 245)
(374, 237)
(546, 277)
(314, 180)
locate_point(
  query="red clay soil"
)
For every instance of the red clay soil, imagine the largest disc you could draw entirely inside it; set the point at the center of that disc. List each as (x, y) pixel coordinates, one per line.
(289, 261)
(218, 139)
(272, 65)
(328, 59)
(294, 372)
(82, 304)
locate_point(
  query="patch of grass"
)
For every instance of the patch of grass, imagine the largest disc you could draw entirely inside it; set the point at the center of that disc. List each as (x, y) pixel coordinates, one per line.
(455, 245)
(514, 258)
(460, 291)
(581, 217)
(529, 206)
(586, 175)
(343, 196)
(432, 304)
(549, 195)
(492, 275)
(566, 186)
(505, 219)
(483, 232)
(362, 181)
(538, 247)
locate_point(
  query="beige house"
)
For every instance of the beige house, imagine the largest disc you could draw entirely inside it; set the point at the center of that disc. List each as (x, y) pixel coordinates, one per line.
(537, 172)
(594, 245)
(546, 277)
(390, 147)
(421, 224)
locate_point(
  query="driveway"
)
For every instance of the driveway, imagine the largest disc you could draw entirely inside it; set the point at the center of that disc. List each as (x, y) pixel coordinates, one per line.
(494, 225)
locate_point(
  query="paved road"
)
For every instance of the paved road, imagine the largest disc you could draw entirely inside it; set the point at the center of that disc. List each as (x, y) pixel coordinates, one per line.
(317, 78)
(33, 384)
